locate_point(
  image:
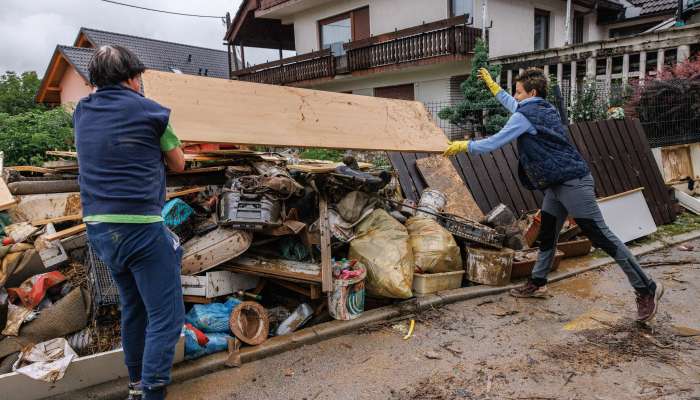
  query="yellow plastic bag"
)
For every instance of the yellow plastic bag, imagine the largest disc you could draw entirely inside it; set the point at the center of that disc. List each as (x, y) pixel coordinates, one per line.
(381, 245)
(434, 248)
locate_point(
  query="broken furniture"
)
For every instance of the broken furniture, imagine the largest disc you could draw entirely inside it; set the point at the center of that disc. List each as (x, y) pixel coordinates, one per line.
(627, 215)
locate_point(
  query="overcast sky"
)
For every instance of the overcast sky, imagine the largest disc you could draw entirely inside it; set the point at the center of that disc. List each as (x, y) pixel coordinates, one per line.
(31, 29)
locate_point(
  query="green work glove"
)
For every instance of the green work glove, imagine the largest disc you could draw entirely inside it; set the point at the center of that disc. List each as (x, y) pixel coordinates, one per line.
(460, 146)
(485, 76)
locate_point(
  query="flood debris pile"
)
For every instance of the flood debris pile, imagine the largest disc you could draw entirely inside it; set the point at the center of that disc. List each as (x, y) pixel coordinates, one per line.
(271, 244)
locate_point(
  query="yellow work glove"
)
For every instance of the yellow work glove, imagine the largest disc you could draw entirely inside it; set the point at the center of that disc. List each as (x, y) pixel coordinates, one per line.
(460, 146)
(485, 76)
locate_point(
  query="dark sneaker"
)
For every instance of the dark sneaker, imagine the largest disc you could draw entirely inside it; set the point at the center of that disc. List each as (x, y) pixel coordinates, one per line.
(648, 304)
(135, 392)
(529, 290)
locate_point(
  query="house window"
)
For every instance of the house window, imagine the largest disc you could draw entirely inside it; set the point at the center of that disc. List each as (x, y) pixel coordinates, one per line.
(461, 7)
(579, 24)
(343, 28)
(541, 29)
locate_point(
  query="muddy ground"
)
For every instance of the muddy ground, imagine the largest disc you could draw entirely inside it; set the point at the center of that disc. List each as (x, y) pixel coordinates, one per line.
(581, 343)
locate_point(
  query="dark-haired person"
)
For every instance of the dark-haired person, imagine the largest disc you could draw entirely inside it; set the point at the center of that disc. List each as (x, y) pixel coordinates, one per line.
(124, 143)
(549, 162)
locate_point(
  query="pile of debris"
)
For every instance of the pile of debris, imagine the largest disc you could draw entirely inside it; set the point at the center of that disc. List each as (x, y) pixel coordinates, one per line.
(270, 244)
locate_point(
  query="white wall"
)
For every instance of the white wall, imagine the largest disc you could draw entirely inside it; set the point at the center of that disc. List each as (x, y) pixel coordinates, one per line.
(384, 16)
(388, 15)
(436, 90)
(513, 21)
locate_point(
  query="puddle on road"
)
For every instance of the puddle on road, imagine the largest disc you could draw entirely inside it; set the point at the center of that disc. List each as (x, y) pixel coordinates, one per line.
(581, 287)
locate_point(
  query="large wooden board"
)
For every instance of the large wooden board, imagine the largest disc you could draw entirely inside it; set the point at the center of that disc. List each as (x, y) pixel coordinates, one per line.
(216, 110)
(440, 174)
(6, 199)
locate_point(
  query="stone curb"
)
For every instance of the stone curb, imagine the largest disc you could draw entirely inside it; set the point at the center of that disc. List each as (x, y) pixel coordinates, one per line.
(315, 334)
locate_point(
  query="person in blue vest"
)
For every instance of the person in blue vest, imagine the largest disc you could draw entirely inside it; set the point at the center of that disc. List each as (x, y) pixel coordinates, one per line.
(124, 144)
(550, 163)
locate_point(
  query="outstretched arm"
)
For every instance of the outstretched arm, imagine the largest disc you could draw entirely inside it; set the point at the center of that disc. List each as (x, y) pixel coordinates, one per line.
(516, 126)
(501, 95)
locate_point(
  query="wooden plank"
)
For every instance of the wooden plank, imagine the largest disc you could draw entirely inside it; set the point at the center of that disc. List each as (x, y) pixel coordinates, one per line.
(654, 178)
(6, 198)
(66, 232)
(465, 166)
(511, 184)
(653, 194)
(603, 173)
(481, 173)
(440, 174)
(213, 110)
(405, 179)
(184, 192)
(70, 154)
(55, 220)
(532, 202)
(31, 168)
(204, 170)
(597, 131)
(293, 271)
(324, 227)
(676, 163)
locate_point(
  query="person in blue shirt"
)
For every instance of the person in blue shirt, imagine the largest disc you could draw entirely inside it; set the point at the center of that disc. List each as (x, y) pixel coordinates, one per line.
(547, 161)
(124, 144)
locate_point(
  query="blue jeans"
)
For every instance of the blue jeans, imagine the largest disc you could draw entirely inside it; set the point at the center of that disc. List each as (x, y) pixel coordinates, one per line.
(144, 260)
(577, 198)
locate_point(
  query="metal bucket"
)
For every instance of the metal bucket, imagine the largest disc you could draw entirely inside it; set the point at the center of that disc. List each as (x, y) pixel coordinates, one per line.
(433, 201)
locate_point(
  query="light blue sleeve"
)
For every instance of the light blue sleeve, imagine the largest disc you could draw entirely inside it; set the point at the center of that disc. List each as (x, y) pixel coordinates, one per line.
(507, 101)
(516, 126)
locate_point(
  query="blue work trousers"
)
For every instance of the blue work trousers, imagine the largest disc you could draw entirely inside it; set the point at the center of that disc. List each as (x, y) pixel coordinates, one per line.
(144, 260)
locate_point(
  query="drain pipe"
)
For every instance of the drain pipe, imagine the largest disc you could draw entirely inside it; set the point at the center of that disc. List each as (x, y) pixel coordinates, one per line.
(484, 17)
(567, 25)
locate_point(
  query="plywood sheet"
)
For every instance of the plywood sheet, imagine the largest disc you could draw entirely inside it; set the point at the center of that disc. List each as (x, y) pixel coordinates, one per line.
(677, 164)
(439, 173)
(215, 110)
(6, 199)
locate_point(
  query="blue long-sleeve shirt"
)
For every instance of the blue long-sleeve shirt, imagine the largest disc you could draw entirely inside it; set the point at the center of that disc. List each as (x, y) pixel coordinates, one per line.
(517, 125)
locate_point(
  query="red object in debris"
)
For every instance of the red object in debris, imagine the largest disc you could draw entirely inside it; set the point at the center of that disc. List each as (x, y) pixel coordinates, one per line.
(33, 290)
(202, 339)
(7, 241)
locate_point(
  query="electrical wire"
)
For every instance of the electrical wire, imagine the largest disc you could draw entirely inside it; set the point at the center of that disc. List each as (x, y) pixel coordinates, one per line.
(162, 11)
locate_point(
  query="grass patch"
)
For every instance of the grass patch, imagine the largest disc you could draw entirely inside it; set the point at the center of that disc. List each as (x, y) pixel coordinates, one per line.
(684, 223)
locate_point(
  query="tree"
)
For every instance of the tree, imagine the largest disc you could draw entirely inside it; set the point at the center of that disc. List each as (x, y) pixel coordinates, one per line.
(479, 106)
(25, 137)
(17, 92)
(588, 104)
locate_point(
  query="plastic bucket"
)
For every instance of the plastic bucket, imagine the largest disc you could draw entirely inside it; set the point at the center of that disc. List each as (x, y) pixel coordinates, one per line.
(347, 299)
(432, 201)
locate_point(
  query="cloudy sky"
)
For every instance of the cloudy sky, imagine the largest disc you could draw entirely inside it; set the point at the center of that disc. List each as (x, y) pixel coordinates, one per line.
(30, 29)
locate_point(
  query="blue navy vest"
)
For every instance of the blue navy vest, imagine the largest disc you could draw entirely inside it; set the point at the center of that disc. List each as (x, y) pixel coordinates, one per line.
(547, 158)
(117, 134)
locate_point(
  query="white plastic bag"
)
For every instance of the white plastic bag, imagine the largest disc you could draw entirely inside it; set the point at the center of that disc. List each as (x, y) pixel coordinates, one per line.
(46, 361)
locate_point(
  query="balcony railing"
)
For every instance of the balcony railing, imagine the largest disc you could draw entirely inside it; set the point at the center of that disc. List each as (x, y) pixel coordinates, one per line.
(316, 65)
(425, 42)
(441, 38)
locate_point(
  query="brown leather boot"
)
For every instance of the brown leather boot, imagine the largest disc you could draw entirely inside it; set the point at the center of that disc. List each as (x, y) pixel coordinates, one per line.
(530, 289)
(648, 304)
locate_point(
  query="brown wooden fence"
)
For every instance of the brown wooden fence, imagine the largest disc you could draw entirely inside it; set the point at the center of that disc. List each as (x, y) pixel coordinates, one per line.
(617, 152)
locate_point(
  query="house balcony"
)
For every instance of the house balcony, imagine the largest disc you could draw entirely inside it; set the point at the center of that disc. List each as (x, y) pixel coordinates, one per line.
(436, 42)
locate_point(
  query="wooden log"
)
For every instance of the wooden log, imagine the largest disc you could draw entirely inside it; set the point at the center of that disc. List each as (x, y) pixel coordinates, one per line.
(324, 227)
